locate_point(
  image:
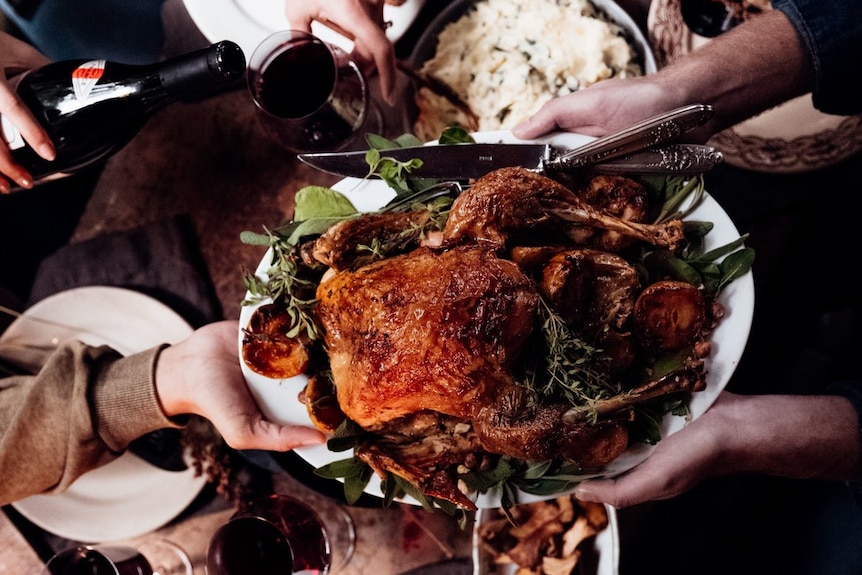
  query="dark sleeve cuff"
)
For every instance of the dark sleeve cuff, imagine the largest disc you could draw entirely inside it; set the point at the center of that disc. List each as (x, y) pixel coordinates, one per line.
(833, 35)
(852, 390)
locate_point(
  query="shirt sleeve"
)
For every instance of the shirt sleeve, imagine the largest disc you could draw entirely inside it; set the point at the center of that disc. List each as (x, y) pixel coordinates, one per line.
(851, 390)
(832, 32)
(80, 412)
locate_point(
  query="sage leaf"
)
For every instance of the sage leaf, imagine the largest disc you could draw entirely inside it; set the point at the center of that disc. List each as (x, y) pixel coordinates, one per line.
(321, 202)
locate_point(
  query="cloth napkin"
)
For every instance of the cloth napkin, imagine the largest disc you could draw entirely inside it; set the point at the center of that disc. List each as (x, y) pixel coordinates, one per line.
(161, 259)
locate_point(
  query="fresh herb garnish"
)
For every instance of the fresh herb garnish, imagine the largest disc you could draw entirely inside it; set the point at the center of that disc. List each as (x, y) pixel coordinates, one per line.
(570, 367)
(678, 198)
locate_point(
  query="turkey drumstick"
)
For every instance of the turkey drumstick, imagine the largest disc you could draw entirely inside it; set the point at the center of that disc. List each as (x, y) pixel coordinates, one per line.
(521, 203)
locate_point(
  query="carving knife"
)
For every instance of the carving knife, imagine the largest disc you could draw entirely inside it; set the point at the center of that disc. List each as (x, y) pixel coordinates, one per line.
(470, 161)
(642, 148)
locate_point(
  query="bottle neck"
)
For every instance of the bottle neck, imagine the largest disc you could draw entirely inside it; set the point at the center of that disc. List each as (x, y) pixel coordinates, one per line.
(202, 72)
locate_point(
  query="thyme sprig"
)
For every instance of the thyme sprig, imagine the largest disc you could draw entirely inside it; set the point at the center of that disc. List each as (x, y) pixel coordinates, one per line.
(394, 172)
(572, 367)
(437, 211)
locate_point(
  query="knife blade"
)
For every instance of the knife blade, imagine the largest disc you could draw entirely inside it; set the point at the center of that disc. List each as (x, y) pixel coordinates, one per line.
(470, 161)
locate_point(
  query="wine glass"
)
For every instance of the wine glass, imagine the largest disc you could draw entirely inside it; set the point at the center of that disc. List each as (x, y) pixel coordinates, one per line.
(282, 535)
(152, 557)
(309, 95)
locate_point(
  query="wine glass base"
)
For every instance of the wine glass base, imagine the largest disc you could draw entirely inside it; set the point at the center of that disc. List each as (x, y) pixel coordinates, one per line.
(165, 557)
(342, 532)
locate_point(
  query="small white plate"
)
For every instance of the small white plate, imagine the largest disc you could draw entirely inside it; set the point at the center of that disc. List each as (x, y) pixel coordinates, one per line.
(248, 22)
(278, 399)
(127, 497)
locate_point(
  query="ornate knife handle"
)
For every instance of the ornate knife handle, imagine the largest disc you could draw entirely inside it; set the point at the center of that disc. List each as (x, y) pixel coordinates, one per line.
(650, 132)
(673, 159)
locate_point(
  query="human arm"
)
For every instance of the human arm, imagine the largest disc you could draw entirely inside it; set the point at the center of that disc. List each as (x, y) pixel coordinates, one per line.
(790, 436)
(747, 70)
(18, 57)
(88, 403)
(363, 19)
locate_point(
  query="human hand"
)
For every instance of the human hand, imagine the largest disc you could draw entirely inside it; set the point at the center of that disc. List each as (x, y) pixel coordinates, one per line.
(363, 19)
(18, 57)
(815, 436)
(605, 107)
(678, 463)
(708, 75)
(201, 375)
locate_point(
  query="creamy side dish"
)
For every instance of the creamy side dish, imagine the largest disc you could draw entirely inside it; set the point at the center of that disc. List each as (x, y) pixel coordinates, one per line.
(508, 57)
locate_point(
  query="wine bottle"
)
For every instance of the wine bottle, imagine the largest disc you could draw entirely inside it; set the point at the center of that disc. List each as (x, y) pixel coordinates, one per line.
(93, 108)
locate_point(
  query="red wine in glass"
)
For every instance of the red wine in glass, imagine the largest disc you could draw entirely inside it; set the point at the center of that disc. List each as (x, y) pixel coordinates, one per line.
(310, 96)
(280, 535)
(155, 557)
(89, 561)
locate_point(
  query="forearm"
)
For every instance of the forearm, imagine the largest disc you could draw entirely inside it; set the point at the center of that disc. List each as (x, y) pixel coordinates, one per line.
(79, 412)
(791, 436)
(740, 75)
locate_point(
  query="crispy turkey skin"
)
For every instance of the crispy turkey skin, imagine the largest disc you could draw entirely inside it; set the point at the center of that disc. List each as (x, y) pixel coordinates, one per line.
(428, 330)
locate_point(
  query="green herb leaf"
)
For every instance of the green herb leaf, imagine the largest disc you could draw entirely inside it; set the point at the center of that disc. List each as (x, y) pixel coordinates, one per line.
(456, 135)
(255, 239)
(354, 485)
(736, 265)
(718, 252)
(320, 202)
(662, 264)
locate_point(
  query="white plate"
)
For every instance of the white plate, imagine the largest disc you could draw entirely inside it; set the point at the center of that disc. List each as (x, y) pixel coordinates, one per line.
(127, 497)
(248, 22)
(606, 546)
(278, 398)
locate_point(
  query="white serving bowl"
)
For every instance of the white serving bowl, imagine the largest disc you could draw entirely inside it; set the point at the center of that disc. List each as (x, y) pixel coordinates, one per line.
(426, 45)
(600, 558)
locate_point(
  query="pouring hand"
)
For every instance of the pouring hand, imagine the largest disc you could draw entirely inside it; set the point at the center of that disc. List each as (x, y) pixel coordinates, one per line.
(18, 57)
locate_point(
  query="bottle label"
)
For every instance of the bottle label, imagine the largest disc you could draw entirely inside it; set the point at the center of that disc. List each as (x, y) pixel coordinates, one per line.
(11, 135)
(85, 76)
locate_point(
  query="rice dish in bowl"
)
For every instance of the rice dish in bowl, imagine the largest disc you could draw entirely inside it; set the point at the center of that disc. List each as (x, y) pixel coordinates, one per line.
(506, 58)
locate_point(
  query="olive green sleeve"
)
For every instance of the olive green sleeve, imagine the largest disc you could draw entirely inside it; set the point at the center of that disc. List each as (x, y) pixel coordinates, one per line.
(79, 412)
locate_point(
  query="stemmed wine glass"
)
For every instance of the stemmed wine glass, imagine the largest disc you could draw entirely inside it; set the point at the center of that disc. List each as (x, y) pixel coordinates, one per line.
(152, 557)
(309, 94)
(282, 535)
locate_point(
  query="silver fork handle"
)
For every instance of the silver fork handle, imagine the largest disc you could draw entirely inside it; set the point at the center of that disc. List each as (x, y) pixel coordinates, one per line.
(671, 159)
(645, 134)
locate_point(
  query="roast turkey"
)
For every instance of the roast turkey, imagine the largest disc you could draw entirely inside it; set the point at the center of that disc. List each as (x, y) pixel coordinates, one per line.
(429, 348)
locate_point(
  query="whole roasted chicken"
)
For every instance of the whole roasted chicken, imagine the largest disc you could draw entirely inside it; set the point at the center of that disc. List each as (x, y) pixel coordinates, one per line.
(444, 352)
